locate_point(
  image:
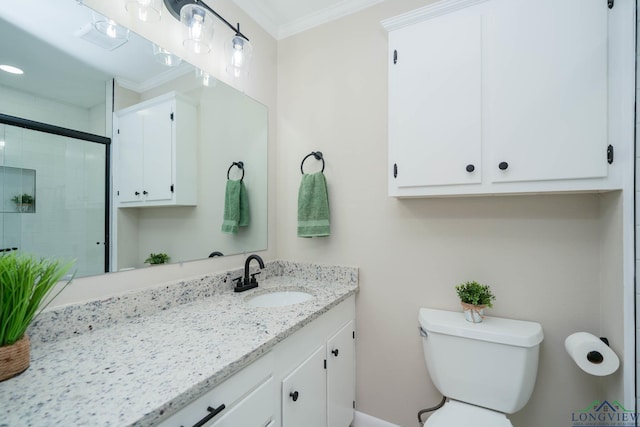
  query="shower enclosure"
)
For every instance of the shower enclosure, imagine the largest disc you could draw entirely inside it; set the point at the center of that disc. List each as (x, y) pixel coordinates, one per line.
(54, 193)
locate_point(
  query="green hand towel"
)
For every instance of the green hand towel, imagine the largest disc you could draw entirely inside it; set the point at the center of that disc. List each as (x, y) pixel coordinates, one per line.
(313, 206)
(236, 207)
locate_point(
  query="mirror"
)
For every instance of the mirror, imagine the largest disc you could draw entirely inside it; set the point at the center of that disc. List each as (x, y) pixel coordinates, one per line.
(231, 127)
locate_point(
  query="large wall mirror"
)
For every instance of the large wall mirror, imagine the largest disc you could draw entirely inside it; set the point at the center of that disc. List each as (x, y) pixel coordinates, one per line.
(73, 79)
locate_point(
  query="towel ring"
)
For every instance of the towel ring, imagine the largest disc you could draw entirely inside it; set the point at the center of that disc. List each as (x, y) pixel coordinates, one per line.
(317, 155)
(240, 166)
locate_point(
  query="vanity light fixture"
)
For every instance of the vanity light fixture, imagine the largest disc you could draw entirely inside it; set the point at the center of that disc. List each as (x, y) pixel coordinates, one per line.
(111, 29)
(239, 52)
(197, 18)
(165, 57)
(145, 10)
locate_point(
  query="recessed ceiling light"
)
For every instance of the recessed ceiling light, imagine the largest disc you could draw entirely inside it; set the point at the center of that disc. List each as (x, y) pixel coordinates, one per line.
(11, 69)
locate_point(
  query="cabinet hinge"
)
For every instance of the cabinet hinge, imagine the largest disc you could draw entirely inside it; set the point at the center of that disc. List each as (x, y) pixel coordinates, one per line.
(171, 116)
(171, 188)
(610, 154)
(610, 3)
(118, 193)
(325, 363)
(118, 131)
(354, 335)
(395, 56)
(354, 404)
(395, 170)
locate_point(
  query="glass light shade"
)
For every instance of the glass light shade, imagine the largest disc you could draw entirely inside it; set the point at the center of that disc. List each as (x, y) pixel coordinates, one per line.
(205, 78)
(197, 28)
(111, 29)
(145, 10)
(165, 57)
(239, 52)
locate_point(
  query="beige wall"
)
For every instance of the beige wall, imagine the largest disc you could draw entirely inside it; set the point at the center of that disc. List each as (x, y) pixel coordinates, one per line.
(543, 255)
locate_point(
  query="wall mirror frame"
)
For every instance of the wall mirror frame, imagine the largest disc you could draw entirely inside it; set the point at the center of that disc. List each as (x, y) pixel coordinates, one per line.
(231, 127)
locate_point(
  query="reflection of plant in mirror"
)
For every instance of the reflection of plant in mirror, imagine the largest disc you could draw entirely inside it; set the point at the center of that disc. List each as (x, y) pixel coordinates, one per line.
(23, 199)
(157, 258)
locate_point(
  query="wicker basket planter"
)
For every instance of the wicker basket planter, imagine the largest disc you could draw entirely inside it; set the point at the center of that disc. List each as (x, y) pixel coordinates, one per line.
(14, 358)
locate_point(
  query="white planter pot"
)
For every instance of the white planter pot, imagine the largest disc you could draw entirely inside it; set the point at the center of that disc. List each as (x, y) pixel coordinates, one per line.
(473, 313)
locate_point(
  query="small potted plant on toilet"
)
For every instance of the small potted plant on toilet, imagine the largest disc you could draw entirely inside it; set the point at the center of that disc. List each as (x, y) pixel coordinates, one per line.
(474, 298)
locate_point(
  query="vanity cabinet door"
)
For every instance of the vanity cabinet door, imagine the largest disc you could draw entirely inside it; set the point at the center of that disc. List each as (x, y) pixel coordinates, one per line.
(341, 376)
(304, 393)
(157, 156)
(435, 102)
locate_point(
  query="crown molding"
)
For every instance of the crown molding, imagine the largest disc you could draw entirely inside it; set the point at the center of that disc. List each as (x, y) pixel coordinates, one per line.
(427, 12)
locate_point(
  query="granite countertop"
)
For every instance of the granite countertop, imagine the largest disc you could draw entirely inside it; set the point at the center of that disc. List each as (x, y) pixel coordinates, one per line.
(133, 359)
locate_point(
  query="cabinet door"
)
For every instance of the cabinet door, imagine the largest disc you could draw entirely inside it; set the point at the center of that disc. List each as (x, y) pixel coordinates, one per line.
(304, 393)
(158, 145)
(255, 410)
(545, 76)
(341, 376)
(434, 101)
(129, 167)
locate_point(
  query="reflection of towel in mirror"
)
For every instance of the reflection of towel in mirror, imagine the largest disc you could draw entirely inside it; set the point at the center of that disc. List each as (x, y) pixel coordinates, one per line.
(313, 206)
(236, 207)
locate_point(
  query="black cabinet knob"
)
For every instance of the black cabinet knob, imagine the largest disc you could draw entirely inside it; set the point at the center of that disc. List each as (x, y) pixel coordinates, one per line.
(335, 352)
(137, 193)
(470, 168)
(294, 395)
(145, 192)
(503, 166)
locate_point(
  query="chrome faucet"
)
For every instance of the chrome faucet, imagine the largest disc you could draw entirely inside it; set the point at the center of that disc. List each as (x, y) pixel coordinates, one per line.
(246, 283)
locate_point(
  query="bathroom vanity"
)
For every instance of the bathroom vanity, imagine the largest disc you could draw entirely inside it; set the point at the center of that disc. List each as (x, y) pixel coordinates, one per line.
(183, 352)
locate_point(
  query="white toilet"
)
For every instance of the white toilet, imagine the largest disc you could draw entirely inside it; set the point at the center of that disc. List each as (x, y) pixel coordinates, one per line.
(487, 369)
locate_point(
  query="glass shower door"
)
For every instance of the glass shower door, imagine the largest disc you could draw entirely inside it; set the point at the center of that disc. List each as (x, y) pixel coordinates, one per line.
(64, 178)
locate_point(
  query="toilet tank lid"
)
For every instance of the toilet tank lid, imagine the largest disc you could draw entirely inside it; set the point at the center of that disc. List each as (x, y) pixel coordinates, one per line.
(518, 333)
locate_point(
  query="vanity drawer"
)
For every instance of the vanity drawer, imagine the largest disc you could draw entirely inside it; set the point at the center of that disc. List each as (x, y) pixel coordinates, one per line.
(243, 390)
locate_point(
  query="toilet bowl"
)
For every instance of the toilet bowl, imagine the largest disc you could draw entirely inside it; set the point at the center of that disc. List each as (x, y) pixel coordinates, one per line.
(487, 370)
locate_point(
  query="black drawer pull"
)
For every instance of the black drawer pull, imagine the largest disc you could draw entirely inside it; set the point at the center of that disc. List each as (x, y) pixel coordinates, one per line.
(212, 413)
(503, 166)
(470, 168)
(294, 395)
(335, 352)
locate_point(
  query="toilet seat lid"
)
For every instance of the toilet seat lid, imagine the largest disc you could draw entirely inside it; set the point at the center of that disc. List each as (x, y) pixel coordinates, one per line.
(459, 414)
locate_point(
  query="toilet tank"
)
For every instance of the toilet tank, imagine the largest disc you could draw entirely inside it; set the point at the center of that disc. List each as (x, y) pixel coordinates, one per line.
(492, 364)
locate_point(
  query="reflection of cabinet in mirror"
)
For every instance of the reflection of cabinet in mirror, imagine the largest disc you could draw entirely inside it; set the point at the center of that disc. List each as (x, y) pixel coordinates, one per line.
(156, 153)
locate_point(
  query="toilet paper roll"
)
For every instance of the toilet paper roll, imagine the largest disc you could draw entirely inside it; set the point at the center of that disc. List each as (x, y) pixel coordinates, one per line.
(591, 354)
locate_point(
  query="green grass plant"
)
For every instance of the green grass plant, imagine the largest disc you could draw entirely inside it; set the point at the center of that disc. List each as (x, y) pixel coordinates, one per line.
(25, 283)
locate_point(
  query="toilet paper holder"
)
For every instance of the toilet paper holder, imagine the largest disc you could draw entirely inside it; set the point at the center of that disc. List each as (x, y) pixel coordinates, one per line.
(595, 356)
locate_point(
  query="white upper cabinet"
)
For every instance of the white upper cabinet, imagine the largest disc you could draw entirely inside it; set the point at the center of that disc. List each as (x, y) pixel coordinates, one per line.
(503, 96)
(156, 153)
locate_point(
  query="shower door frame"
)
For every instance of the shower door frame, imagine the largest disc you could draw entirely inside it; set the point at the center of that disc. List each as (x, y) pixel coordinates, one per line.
(85, 136)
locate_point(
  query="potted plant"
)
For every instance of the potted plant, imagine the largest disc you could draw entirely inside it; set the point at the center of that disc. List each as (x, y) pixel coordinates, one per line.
(23, 201)
(474, 298)
(26, 283)
(157, 259)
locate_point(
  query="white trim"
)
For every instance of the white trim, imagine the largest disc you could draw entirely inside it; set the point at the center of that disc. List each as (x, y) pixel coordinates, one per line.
(427, 12)
(361, 419)
(261, 14)
(156, 81)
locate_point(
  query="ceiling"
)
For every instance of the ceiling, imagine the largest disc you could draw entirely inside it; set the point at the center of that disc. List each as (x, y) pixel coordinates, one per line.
(60, 65)
(283, 18)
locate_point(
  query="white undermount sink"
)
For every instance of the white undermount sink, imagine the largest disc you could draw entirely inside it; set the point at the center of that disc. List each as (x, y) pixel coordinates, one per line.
(279, 298)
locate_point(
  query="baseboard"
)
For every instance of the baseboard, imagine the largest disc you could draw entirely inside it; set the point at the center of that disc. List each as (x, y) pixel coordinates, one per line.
(361, 419)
